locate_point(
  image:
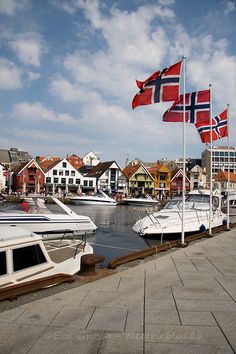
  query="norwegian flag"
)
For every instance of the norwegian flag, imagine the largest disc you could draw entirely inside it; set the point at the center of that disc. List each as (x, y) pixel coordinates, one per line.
(161, 86)
(197, 108)
(219, 128)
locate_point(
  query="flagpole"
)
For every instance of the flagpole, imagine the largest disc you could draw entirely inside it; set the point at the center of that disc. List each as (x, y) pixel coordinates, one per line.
(228, 189)
(184, 143)
(210, 211)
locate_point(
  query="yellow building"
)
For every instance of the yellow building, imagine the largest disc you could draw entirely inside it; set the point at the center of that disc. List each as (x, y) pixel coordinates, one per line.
(162, 177)
(140, 180)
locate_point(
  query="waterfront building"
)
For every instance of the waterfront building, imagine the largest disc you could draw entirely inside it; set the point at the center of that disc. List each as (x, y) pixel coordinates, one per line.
(222, 178)
(140, 180)
(75, 161)
(176, 183)
(62, 177)
(162, 177)
(3, 176)
(91, 159)
(28, 177)
(220, 160)
(197, 177)
(109, 177)
(13, 157)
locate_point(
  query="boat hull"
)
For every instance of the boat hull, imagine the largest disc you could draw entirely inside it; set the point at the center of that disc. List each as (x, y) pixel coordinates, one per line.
(169, 225)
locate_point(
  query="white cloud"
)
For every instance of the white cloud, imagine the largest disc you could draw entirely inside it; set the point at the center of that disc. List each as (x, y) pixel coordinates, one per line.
(10, 7)
(229, 7)
(33, 76)
(38, 112)
(10, 75)
(29, 48)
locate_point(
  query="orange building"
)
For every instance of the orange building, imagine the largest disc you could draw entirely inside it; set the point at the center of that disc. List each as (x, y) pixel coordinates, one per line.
(162, 177)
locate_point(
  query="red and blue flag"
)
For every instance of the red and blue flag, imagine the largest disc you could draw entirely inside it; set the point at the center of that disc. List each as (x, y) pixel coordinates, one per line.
(197, 108)
(219, 128)
(161, 86)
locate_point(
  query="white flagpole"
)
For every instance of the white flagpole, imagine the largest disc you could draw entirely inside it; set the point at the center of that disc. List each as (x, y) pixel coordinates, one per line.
(210, 211)
(228, 187)
(184, 174)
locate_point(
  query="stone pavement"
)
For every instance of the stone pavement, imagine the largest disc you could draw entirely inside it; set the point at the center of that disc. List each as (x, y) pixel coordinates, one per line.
(183, 302)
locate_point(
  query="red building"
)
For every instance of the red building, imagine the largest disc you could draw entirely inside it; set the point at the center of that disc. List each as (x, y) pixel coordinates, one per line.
(176, 182)
(75, 161)
(28, 177)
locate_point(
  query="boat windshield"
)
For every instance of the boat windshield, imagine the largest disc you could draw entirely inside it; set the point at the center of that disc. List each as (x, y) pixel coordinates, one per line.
(193, 202)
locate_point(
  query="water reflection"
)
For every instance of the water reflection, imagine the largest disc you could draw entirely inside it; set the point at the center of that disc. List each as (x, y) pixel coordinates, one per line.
(114, 236)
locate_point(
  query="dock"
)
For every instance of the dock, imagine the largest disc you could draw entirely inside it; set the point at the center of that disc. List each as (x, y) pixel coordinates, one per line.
(181, 302)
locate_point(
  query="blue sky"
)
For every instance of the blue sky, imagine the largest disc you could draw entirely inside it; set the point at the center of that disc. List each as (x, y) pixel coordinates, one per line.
(68, 70)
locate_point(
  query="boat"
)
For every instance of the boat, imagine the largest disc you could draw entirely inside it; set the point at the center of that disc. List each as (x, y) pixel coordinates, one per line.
(99, 198)
(142, 201)
(232, 204)
(25, 256)
(167, 222)
(2, 199)
(38, 218)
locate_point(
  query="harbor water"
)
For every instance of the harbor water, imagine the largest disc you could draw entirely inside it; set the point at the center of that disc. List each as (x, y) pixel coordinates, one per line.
(114, 236)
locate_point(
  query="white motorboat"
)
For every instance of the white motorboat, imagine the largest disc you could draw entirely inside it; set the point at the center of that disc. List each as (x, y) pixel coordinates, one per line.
(167, 222)
(232, 204)
(39, 219)
(100, 198)
(142, 201)
(24, 256)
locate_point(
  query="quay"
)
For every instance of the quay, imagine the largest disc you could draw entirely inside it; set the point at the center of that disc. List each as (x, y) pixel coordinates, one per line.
(181, 302)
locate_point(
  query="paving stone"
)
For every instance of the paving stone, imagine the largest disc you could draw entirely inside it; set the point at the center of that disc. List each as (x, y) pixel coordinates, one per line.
(112, 319)
(154, 291)
(197, 318)
(44, 316)
(121, 343)
(160, 304)
(161, 317)
(67, 340)
(184, 334)
(134, 322)
(11, 315)
(225, 319)
(206, 305)
(18, 338)
(161, 348)
(71, 316)
(200, 293)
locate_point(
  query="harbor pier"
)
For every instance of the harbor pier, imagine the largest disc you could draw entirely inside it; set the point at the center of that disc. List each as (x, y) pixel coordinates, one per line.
(181, 302)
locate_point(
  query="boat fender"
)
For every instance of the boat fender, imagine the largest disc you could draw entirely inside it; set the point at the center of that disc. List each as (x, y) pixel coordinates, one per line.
(202, 228)
(224, 222)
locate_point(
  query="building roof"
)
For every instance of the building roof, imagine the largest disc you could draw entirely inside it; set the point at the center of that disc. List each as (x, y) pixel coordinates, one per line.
(98, 170)
(223, 176)
(49, 163)
(130, 170)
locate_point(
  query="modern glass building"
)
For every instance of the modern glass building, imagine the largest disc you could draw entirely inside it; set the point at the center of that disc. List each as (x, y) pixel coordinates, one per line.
(222, 160)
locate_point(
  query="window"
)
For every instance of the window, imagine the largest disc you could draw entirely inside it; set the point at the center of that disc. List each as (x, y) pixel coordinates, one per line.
(60, 172)
(72, 173)
(67, 173)
(48, 179)
(63, 180)
(3, 263)
(64, 164)
(90, 183)
(54, 172)
(55, 180)
(162, 177)
(85, 183)
(26, 257)
(71, 180)
(77, 181)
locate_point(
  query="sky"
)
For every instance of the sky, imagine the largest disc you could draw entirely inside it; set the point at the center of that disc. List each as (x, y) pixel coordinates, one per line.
(68, 70)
